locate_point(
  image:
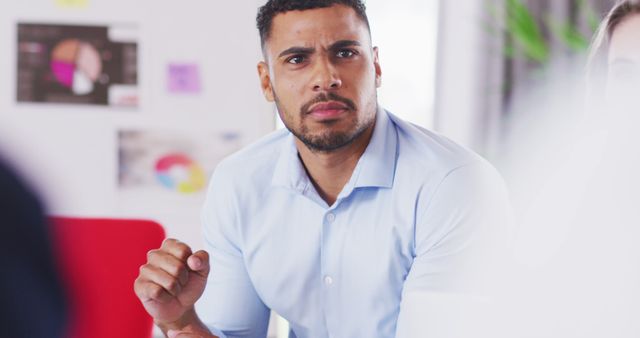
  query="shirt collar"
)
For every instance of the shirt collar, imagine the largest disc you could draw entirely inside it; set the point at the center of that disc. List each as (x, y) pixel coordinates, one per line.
(289, 171)
(376, 167)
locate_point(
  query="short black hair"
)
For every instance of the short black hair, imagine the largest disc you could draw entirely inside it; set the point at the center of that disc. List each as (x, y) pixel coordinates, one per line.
(272, 8)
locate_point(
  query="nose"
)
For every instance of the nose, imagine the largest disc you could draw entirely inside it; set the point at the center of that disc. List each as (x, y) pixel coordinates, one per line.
(325, 76)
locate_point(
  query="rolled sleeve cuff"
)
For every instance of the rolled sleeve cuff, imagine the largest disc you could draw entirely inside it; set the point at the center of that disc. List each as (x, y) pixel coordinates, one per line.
(217, 332)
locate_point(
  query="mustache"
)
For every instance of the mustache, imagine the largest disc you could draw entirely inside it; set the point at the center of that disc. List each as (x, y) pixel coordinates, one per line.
(326, 98)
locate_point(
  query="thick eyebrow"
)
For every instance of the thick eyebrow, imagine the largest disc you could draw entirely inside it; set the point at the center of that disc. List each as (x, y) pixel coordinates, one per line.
(344, 43)
(305, 50)
(296, 50)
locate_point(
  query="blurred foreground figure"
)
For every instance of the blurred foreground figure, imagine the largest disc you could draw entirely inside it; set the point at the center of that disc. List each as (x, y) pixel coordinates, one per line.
(577, 255)
(614, 65)
(31, 296)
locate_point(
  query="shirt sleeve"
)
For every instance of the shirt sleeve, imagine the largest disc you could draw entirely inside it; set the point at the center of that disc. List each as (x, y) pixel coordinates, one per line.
(230, 306)
(461, 240)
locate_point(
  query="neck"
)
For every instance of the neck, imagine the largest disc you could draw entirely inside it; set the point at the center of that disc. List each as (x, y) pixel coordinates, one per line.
(330, 171)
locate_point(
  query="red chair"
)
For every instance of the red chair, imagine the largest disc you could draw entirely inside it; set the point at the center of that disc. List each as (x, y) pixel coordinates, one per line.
(99, 261)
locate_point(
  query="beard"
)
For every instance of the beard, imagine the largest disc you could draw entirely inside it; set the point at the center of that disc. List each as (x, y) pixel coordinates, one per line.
(328, 140)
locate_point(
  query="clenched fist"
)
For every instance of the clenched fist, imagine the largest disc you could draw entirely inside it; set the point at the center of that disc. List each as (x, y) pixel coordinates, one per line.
(171, 282)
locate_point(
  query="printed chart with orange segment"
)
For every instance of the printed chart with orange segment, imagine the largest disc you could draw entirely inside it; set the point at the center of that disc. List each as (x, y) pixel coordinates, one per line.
(76, 65)
(180, 173)
(171, 162)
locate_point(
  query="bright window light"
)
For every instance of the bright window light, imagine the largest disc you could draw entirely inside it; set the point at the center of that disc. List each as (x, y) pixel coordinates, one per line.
(406, 32)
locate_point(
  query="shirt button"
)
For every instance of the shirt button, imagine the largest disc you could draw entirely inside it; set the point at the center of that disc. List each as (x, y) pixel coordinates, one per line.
(328, 280)
(331, 217)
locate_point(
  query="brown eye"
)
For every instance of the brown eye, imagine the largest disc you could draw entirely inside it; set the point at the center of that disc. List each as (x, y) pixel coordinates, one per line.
(345, 53)
(296, 59)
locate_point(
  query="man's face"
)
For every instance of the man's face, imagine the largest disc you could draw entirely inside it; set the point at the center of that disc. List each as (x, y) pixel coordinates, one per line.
(322, 73)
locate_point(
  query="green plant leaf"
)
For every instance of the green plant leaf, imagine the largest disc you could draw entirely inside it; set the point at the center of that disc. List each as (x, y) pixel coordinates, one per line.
(593, 20)
(569, 35)
(523, 28)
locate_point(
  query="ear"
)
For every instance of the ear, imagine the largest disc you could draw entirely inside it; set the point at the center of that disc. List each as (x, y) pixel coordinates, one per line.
(376, 64)
(265, 81)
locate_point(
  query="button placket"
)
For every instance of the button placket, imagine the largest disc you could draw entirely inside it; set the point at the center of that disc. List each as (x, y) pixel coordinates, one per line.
(330, 217)
(328, 280)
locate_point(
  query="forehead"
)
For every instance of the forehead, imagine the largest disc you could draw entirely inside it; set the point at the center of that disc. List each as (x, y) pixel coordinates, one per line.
(316, 26)
(625, 40)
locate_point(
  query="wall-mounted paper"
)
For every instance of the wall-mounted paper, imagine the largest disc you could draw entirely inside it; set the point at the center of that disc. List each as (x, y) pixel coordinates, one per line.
(183, 78)
(170, 162)
(72, 3)
(77, 64)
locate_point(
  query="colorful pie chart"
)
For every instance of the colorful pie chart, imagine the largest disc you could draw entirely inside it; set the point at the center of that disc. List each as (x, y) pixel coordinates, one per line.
(76, 65)
(179, 173)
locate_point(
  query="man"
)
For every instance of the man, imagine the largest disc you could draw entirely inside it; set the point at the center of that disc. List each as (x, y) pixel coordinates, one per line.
(327, 223)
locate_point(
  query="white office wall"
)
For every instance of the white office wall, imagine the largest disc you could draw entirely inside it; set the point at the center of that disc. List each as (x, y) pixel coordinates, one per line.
(71, 150)
(460, 69)
(406, 33)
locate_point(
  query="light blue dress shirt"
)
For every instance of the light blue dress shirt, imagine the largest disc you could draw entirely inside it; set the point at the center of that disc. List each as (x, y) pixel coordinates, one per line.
(417, 214)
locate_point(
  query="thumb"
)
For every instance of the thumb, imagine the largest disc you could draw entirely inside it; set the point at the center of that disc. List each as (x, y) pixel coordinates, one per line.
(199, 262)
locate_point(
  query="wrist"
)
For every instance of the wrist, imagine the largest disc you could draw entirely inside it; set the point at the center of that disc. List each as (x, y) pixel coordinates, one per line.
(188, 320)
(191, 332)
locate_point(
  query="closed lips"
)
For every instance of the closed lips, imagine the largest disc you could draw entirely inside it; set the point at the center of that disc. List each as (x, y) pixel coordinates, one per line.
(328, 106)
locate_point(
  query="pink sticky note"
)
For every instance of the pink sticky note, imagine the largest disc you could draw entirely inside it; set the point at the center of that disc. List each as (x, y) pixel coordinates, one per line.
(183, 78)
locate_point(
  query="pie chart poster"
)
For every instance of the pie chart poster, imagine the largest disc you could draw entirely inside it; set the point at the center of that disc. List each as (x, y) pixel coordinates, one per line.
(163, 162)
(75, 65)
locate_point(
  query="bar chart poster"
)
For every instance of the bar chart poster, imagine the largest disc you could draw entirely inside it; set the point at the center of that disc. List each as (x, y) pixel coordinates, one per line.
(95, 65)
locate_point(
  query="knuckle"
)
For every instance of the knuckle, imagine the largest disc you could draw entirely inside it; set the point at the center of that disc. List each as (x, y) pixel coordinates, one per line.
(155, 291)
(183, 251)
(143, 268)
(169, 241)
(136, 286)
(151, 253)
(177, 269)
(173, 286)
